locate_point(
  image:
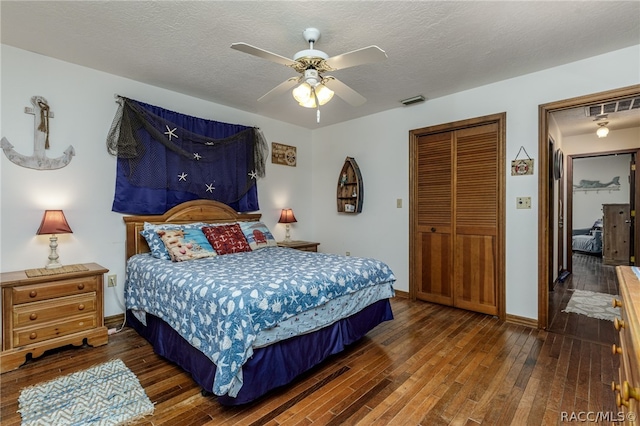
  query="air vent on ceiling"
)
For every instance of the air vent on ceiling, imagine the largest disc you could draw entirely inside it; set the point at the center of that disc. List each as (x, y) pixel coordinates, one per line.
(611, 107)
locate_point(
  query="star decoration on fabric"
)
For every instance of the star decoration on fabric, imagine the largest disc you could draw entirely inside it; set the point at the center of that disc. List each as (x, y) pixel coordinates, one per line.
(196, 156)
(210, 187)
(253, 174)
(171, 132)
(182, 176)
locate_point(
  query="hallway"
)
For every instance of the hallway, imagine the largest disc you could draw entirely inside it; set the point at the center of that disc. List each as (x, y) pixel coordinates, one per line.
(588, 274)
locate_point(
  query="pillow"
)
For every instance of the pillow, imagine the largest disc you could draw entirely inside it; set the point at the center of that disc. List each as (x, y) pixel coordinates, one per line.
(185, 244)
(258, 235)
(226, 239)
(154, 241)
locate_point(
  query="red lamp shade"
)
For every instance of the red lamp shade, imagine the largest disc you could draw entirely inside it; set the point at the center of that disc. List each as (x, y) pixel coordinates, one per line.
(287, 216)
(54, 222)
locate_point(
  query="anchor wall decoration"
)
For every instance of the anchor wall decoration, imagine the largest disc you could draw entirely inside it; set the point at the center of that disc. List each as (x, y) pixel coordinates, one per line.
(39, 159)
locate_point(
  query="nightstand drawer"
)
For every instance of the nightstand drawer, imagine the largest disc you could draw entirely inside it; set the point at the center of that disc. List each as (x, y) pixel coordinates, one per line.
(299, 245)
(26, 336)
(47, 310)
(35, 292)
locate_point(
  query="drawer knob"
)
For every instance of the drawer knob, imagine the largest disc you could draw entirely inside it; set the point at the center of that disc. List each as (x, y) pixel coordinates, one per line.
(616, 303)
(618, 324)
(81, 308)
(33, 335)
(33, 316)
(33, 293)
(615, 387)
(81, 286)
(629, 391)
(616, 349)
(620, 402)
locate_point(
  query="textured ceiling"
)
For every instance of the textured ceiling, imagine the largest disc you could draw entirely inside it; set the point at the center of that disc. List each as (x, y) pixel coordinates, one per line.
(433, 48)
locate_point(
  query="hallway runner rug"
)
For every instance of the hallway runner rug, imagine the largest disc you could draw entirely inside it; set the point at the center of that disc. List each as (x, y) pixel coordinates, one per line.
(107, 394)
(592, 304)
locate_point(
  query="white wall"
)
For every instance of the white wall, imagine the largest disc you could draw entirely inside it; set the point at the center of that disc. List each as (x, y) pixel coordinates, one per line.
(379, 144)
(587, 205)
(83, 102)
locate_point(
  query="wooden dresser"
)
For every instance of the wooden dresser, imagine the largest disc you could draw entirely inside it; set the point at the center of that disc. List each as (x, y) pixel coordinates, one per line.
(45, 312)
(627, 389)
(616, 234)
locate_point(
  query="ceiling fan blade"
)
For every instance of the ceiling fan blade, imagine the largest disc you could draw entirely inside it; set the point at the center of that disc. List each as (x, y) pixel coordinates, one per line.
(261, 53)
(345, 92)
(279, 89)
(366, 55)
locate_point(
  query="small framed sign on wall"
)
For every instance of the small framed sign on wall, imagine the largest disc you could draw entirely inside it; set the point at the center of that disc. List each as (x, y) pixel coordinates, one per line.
(283, 154)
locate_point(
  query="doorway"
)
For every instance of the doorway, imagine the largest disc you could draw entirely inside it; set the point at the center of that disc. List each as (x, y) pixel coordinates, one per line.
(546, 247)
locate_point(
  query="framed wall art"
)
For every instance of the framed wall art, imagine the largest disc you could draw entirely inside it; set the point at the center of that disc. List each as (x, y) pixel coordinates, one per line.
(283, 154)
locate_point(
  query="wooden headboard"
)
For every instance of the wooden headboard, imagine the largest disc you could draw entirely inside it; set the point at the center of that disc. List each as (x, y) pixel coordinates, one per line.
(192, 211)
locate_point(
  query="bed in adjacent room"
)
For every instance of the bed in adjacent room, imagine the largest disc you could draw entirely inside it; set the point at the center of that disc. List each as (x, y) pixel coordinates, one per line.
(588, 240)
(253, 316)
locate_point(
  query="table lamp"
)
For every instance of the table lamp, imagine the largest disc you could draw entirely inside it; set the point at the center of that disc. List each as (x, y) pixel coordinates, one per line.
(53, 222)
(286, 216)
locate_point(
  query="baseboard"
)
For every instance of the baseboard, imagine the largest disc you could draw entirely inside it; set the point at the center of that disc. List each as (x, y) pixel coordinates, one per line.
(527, 322)
(403, 294)
(114, 321)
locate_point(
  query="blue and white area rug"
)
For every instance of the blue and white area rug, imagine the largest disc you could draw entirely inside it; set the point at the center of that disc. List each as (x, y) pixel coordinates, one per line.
(107, 394)
(592, 304)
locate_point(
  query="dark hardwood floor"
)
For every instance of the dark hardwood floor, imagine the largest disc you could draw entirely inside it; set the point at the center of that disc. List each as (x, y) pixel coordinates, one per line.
(588, 274)
(432, 365)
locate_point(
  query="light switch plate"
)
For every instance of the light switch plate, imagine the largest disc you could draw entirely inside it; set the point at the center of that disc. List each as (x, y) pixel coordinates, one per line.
(523, 202)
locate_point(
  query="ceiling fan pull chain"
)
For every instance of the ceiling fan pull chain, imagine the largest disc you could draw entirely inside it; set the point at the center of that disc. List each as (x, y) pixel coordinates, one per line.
(317, 105)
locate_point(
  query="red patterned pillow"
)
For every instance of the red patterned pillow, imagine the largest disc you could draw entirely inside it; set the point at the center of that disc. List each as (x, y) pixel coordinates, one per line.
(226, 239)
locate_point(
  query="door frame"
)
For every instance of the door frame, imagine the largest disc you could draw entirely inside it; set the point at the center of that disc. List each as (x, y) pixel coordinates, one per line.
(569, 219)
(545, 260)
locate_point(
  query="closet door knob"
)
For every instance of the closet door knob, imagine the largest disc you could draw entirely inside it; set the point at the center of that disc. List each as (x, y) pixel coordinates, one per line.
(616, 349)
(616, 303)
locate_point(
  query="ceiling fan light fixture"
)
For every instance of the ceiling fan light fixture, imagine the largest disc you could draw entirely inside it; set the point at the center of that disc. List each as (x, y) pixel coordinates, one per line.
(302, 93)
(323, 93)
(603, 130)
(310, 103)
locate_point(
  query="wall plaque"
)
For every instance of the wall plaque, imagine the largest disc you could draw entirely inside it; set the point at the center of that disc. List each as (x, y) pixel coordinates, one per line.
(283, 154)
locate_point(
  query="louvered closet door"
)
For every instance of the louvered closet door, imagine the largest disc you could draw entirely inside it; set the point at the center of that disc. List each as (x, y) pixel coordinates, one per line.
(476, 219)
(433, 238)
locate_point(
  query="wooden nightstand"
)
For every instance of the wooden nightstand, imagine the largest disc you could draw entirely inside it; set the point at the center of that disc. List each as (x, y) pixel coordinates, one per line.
(299, 245)
(48, 311)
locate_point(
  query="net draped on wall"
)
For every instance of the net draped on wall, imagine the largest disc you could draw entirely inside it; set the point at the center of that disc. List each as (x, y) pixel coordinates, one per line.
(166, 158)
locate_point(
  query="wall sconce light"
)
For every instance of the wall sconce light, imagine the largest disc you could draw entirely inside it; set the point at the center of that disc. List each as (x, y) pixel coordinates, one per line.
(53, 222)
(286, 216)
(603, 130)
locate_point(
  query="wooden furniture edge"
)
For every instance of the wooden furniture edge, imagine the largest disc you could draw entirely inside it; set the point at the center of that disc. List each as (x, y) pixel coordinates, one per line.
(13, 358)
(190, 211)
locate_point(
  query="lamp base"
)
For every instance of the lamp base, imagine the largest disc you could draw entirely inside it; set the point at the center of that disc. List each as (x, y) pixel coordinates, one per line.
(287, 236)
(53, 255)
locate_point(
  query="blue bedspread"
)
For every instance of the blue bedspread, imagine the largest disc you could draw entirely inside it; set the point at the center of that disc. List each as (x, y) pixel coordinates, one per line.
(220, 304)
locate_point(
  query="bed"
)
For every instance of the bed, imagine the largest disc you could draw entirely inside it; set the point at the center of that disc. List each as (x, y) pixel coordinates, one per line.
(588, 240)
(245, 323)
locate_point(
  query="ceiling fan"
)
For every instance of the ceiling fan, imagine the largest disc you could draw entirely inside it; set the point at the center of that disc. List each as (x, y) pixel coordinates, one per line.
(315, 88)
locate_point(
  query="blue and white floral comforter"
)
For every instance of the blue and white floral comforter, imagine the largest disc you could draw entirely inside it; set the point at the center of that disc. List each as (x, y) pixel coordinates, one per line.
(220, 304)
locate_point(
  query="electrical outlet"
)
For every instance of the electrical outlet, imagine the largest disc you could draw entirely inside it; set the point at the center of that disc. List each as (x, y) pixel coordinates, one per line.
(348, 253)
(112, 280)
(523, 202)
(399, 203)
